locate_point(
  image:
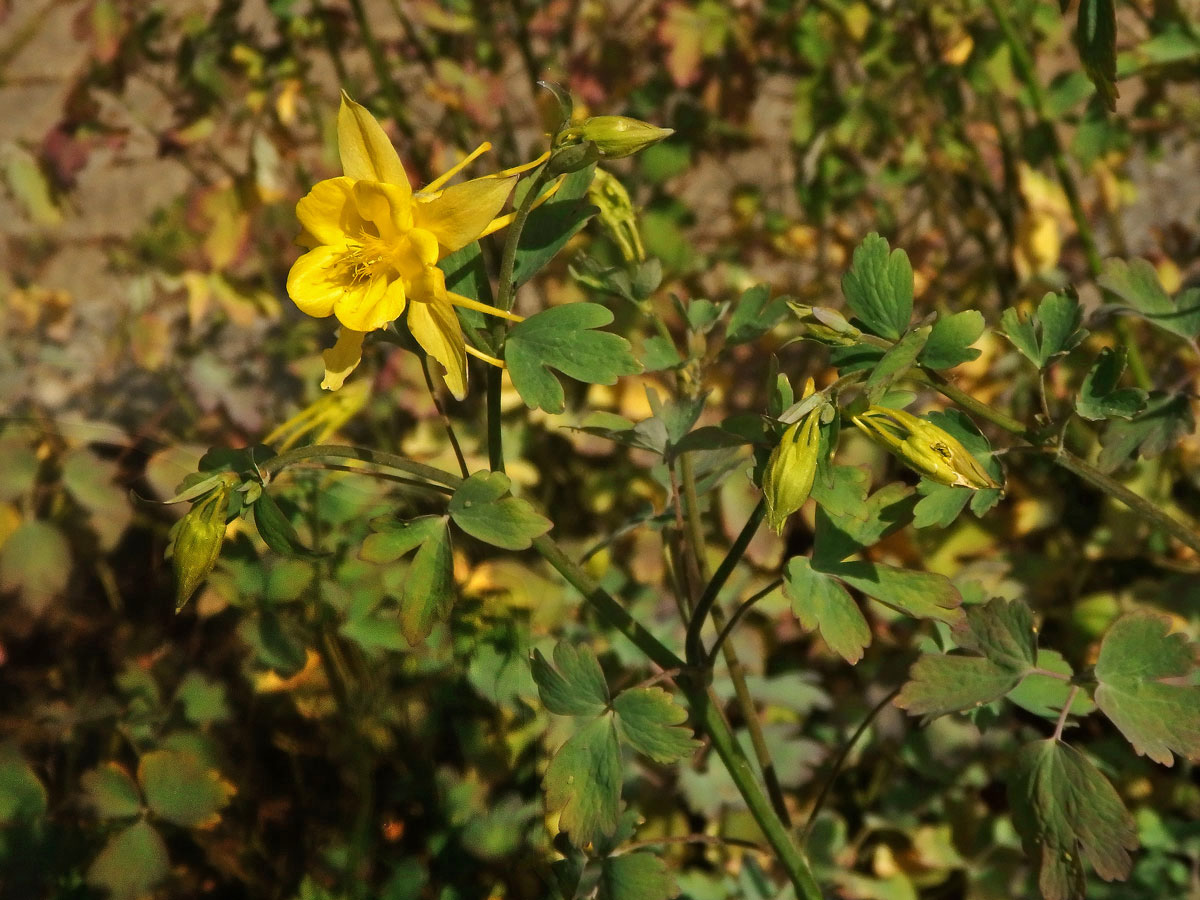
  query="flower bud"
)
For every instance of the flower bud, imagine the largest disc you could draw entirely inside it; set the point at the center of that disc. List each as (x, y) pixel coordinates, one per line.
(791, 470)
(924, 447)
(616, 137)
(196, 540)
(617, 214)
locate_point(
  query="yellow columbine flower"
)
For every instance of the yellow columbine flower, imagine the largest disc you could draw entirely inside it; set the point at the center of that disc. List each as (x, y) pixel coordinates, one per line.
(375, 245)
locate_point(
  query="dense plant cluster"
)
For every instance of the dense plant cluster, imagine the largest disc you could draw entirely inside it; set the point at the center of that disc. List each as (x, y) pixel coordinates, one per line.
(630, 519)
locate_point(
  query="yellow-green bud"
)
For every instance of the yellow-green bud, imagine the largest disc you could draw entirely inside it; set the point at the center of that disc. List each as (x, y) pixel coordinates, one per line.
(617, 214)
(791, 470)
(616, 136)
(196, 540)
(924, 447)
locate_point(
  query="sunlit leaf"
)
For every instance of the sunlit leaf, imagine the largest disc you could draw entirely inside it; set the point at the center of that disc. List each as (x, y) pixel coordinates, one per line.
(820, 602)
(563, 338)
(651, 722)
(583, 781)
(480, 508)
(879, 287)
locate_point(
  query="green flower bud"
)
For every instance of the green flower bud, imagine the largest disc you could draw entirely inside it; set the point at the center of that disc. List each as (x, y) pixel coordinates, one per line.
(791, 470)
(197, 538)
(617, 214)
(924, 447)
(615, 137)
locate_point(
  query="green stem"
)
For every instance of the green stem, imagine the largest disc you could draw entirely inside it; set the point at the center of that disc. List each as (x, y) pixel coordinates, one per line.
(373, 457)
(737, 672)
(1027, 72)
(1140, 505)
(705, 710)
(694, 645)
(841, 760)
(739, 613)
(969, 403)
(505, 296)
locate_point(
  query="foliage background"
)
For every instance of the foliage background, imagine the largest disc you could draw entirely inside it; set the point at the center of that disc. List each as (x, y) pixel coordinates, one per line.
(151, 156)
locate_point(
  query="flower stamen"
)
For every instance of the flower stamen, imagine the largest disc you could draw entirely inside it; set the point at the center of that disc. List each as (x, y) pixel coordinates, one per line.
(437, 183)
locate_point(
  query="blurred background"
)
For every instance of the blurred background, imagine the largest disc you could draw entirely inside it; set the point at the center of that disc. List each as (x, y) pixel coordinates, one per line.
(151, 155)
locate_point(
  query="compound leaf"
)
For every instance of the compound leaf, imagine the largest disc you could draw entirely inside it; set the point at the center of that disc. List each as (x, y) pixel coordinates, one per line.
(563, 338)
(879, 287)
(1136, 282)
(1065, 812)
(429, 587)
(583, 782)
(819, 601)
(651, 722)
(181, 788)
(950, 340)
(1100, 398)
(1049, 333)
(111, 792)
(480, 508)
(131, 863)
(574, 685)
(636, 876)
(1137, 657)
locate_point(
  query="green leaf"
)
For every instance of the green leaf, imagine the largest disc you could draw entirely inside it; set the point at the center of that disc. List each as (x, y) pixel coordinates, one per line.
(182, 789)
(277, 531)
(466, 274)
(111, 792)
(838, 536)
(552, 224)
(821, 602)
(574, 685)
(1100, 398)
(922, 595)
(1166, 418)
(1003, 635)
(429, 587)
(879, 287)
(562, 338)
(1096, 38)
(1043, 695)
(940, 504)
(583, 782)
(480, 508)
(36, 562)
(22, 795)
(950, 340)
(1136, 282)
(840, 491)
(131, 863)
(394, 539)
(898, 360)
(754, 314)
(1138, 657)
(203, 700)
(1065, 812)
(1003, 631)
(651, 722)
(636, 876)
(1049, 333)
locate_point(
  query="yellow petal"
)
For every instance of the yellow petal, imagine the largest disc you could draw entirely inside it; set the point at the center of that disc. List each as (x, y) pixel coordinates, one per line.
(386, 206)
(436, 328)
(460, 213)
(309, 283)
(366, 152)
(342, 358)
(323, 211)
(372, 304)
